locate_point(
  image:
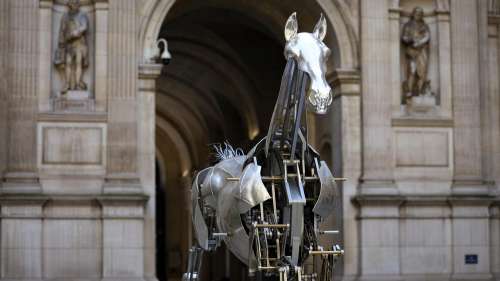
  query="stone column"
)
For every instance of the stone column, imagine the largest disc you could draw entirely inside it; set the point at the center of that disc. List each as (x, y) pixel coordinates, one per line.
(490, 97)
(486, 108)
(492, 130)
(395, 58)
(346, 141)
(444, 54)
(4, 32)
(493, 65)
(148, 73)
(101, 54)
(466, 97)
(376, 103)
(45, 55)
(22, 88)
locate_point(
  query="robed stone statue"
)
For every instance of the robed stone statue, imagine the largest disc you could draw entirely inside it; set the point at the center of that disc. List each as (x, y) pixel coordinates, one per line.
(415, 38)
(72, 51)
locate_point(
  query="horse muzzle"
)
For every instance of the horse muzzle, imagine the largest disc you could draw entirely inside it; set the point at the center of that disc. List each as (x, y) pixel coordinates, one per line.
(319, 101)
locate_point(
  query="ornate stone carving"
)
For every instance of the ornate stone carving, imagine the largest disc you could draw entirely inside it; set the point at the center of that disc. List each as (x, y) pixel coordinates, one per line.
(415, 39)
(72, 52)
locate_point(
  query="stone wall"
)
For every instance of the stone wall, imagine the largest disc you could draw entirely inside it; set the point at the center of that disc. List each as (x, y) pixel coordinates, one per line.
(65, 237)
(75, 192)
(437, 201)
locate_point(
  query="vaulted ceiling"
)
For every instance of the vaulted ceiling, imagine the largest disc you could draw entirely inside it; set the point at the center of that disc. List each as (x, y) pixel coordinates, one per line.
(226, 69)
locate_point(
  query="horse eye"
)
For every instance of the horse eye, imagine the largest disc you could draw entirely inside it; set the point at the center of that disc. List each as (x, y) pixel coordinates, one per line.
(292, 52)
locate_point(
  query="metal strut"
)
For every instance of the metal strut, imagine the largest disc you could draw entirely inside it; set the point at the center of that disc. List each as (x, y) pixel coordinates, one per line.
(194, 264)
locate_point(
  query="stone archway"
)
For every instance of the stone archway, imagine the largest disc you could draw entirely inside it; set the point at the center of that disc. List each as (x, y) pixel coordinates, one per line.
(208, 94)
(190, 100)
(336, 12)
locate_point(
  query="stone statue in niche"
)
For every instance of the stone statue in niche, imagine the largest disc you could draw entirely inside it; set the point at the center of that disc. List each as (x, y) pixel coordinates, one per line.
(71, 55)
(415, 39)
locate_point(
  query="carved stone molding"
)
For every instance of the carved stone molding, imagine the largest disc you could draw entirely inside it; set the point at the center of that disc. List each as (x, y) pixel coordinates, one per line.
(148, 73)
(21, 182)
(82, 2)
(82, 117)
(50, 3)
(101, 4)
(494, 19)
(52, 206)
(375, 187)
(379, 200)
(424, 200)
(345, 82)
(125, 183)
(426, 123)
(45, 4)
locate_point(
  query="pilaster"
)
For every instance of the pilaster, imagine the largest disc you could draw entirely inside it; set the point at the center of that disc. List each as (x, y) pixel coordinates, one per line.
(395, 57)
(4, 32)
(45, 54)
(468, 166)
(491, 125)
(444, 63)
(101, 54)
(376, 103)
(122, 165)
(22, 78)
(346, 142)
(148, 74)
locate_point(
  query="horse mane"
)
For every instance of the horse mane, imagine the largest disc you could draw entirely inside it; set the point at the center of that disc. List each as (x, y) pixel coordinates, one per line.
(226, 151)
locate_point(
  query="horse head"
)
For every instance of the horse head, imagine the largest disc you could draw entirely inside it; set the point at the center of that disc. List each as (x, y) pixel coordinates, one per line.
(311, 54)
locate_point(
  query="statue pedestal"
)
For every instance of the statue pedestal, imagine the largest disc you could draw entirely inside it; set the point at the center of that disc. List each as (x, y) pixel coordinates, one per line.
(74, 101)
(422, 105)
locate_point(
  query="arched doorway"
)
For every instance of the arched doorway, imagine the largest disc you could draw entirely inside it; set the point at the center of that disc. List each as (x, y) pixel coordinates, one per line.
(220, 85)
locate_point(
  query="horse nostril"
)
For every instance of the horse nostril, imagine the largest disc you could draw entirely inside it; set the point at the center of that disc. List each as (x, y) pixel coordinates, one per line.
(319, 101)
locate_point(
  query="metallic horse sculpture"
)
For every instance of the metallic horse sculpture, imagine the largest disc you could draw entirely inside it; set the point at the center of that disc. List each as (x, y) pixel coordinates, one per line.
(267, 205)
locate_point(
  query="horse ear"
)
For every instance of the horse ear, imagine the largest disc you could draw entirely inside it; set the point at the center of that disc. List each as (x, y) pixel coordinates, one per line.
(291, 27)
(320, 28)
